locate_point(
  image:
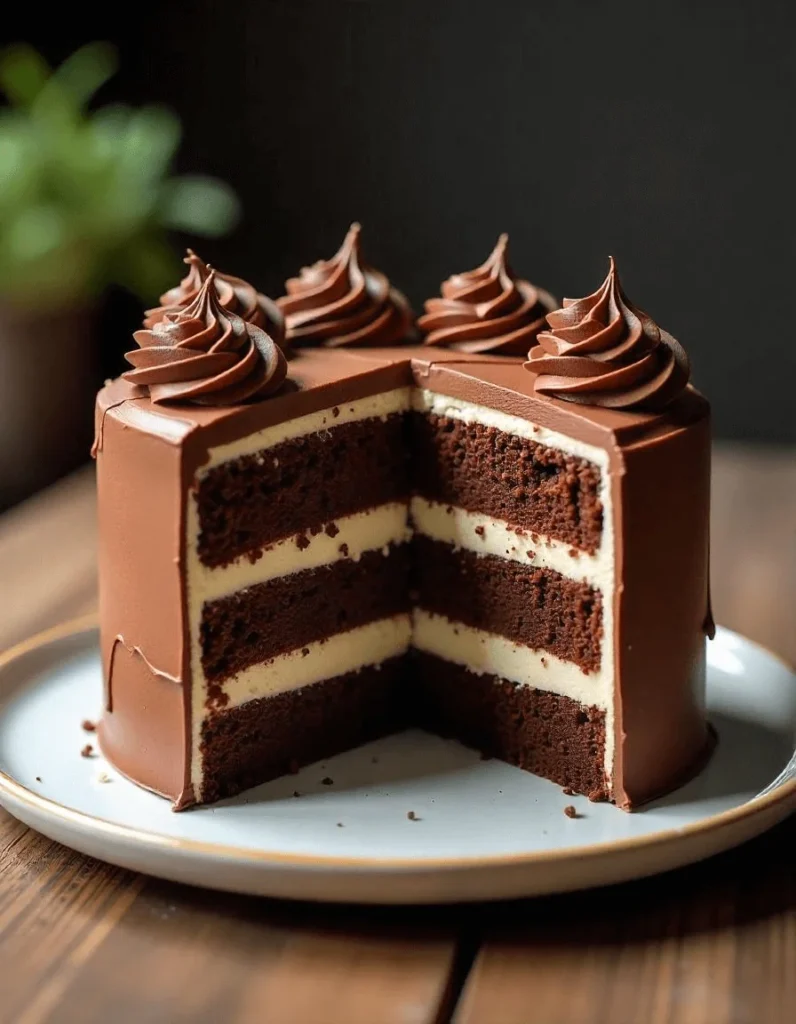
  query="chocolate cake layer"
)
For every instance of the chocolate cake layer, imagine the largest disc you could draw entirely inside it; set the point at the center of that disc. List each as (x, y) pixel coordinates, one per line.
(530, 605)
(546, 734)
(483, 469)
(282, 614)
(266, 738)
(251, 501)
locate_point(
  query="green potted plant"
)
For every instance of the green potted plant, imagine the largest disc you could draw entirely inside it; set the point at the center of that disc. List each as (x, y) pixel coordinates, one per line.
(86, 201)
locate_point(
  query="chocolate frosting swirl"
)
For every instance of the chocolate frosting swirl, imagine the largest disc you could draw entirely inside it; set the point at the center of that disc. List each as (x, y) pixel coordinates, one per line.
(233, 293)
(344, 302)
(206, 354)
(601, 350)
(487, 309)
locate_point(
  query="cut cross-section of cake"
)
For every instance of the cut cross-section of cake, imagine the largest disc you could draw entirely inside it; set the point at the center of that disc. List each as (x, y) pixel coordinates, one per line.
(297, 575)
(416, 535)
(515, 580)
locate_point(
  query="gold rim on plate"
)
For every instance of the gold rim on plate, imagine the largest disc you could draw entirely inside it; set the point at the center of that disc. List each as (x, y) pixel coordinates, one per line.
(786, 793)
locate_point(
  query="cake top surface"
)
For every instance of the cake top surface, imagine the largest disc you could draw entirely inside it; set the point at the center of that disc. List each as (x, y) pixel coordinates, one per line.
(602, 350)
(233, 294)
(504, 386)
(488, 309)
(318, 379)
(321, 378)
(342, 302)
(206, 354)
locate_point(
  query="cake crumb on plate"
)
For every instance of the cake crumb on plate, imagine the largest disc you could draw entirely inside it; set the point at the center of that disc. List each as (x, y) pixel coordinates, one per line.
(87, 751)
(571, 812)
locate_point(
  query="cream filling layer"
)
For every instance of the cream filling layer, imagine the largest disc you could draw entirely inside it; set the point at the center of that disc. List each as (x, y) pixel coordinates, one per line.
(486, 536)
(373, 407)
(323, 659)
(371, 530)
(489, 654)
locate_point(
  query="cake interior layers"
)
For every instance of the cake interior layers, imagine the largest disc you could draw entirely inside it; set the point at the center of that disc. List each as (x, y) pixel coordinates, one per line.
(297, 574)
(473, 465)
(498, 571)
(544, 733)
(279, 615)
(269, 737)
(536, 607)
(342, 464)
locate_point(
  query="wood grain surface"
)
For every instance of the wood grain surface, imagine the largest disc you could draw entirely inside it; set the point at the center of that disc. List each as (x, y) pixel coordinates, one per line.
(711, 944)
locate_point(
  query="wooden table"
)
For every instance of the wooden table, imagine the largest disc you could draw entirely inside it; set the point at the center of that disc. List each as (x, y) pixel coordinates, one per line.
(710, 944)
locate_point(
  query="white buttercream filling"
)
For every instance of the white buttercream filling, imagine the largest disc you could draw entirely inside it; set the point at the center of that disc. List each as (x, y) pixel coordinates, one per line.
(323, 659)
(484, 535)
(490, 654)
(372, 530)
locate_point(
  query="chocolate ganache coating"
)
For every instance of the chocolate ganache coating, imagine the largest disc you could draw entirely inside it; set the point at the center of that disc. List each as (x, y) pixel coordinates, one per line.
(206, 354)
(488, 309)
(602, 350)
(344, 302)
(233, 293)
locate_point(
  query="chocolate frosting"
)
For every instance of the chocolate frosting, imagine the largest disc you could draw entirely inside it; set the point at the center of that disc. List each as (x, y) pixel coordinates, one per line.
(234, 294)
(487, 309)
(207, 354)
(602, 350)
(344, 302)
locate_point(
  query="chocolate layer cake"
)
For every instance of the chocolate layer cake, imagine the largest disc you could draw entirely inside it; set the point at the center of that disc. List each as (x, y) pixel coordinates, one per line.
(357, 539)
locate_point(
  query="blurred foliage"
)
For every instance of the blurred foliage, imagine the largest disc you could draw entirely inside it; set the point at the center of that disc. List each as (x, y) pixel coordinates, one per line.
(86, 198)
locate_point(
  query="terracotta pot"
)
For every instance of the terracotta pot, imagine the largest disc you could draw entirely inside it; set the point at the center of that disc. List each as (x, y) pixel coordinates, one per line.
(48, 375)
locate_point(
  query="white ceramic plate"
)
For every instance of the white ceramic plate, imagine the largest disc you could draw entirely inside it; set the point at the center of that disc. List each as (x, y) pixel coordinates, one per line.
(484, 830)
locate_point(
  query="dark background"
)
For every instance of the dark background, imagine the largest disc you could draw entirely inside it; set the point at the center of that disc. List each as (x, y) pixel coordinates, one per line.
(661, 133)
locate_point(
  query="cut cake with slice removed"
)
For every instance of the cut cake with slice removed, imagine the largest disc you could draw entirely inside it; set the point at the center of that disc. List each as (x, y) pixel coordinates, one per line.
(260, 583)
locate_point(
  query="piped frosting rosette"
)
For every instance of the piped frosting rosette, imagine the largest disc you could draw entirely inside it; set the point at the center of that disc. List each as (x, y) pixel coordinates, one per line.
(233, 294)
(344, 302)
(601, 350)
(206, 354)
(488, 309)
